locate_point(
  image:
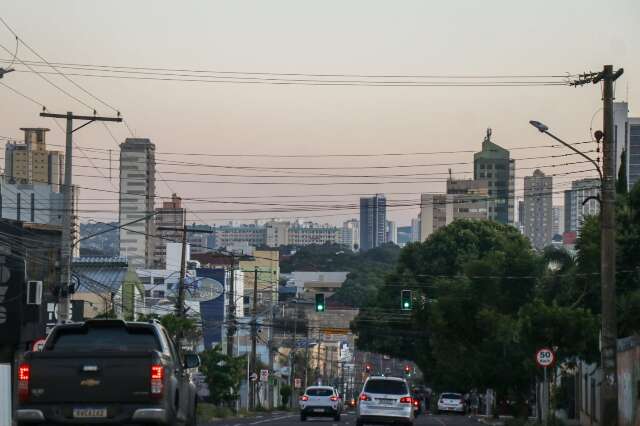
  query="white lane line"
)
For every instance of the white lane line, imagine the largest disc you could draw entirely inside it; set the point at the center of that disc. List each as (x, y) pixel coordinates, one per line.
(271, 419)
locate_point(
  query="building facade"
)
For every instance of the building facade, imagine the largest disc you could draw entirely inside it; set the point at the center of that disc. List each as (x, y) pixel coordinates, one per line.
(308, 233)
(436, 211)
(557, 213)
(494, 164)
(538, 209)
(31, 162)
(580, 202)
(392, 232)
(170, 215)
(277, 233)
(351, 234)
(373, 221)
(137, 197)
(633, 152)
(415, 229)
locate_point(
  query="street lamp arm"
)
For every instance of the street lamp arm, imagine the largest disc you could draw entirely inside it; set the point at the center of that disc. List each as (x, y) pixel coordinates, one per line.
(576, 151)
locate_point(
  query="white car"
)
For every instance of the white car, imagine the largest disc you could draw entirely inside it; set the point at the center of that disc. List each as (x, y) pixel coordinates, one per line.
(451, 402)
(320, 401)
(385, 400)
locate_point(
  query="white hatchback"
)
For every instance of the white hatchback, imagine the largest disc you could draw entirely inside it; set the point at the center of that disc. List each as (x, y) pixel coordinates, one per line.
(451, 402)
(320, 401)
(385, 400)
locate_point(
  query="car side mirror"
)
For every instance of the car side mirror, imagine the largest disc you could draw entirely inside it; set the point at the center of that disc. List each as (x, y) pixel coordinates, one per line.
(191, 361)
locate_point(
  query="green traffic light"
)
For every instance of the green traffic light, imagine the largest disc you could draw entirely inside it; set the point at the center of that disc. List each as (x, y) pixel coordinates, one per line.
(406, 305)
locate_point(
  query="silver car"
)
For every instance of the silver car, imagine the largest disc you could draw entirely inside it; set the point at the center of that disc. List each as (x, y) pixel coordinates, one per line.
(385, 400)
(320, 401)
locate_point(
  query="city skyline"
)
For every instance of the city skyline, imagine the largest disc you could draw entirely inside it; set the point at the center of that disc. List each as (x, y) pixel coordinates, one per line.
(217, 119)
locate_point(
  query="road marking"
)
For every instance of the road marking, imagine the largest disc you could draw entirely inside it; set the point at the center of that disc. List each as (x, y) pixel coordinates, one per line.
(272, 419)
(440, 421)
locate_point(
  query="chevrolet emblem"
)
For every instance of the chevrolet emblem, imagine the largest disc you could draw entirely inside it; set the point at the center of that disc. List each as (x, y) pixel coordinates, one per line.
(90, 382)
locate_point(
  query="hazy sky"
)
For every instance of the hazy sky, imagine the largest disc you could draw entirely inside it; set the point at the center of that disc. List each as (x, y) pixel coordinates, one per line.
(335, 37)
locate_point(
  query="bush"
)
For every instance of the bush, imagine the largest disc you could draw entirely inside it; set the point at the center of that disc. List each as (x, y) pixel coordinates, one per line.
(208, 412)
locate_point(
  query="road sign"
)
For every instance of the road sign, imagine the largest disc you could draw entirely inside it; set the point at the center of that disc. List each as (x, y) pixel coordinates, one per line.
(264, 375)
(38, 345)
(545, 357)
(253, 377)
(297, 383)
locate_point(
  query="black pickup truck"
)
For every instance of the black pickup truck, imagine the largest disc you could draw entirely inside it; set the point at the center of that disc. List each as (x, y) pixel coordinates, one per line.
(110, 372)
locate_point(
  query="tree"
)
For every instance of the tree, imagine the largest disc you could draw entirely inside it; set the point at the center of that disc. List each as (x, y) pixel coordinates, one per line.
(223, 374)
(285, 394)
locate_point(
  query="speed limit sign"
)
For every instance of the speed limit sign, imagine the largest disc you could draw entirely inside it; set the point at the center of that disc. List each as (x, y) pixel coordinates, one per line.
(545, 357)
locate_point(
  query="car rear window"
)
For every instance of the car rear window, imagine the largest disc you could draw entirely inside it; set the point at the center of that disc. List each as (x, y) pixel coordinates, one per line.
(451, 396)
(392, 387)
(319, 392)
(117, 339)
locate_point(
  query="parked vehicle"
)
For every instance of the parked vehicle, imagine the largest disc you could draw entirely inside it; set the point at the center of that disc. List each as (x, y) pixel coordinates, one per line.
(451, 402)
(107, 371)
(320, 401)
(385, 400)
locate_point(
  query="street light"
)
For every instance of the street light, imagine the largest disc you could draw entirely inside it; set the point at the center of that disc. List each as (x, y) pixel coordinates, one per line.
(545, 129)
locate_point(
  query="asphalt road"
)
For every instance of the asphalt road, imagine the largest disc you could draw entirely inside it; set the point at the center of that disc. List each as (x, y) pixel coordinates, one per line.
(348, 419)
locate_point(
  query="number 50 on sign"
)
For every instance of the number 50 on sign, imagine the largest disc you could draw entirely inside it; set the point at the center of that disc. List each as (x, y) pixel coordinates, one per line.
(545, 357)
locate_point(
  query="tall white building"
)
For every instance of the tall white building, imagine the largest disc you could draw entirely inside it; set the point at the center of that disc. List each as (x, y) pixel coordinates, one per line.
(538, 209)
(170, 215)
(392, 232)
(373, 222)
(558, 220)
(576, 206)
(436, 211)
(137, 196)
(351, 234)
(277, 233)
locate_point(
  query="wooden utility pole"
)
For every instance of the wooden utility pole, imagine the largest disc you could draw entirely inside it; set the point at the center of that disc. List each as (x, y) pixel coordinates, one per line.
(608, 353)
(183, 271)
(231, 320)
(254, 335)
(64, 301)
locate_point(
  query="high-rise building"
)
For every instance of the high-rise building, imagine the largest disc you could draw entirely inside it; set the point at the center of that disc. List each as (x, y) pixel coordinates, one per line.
(633, 152)
(392, 232)
(308, 233)
(579, 202)
(170, 215)
(277, 233)
(469, 198)
(373, 222)
(415, 229)
(351, 234)
(436, 211)
(620, 133)
(538, 204)
(558, 222)
(31, 162)
(137, 196)
(494, 165)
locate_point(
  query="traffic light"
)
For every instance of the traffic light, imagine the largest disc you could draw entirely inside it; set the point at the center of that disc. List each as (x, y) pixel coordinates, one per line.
(367, 368)
(405, 300)
(320, 302)
(407, 369)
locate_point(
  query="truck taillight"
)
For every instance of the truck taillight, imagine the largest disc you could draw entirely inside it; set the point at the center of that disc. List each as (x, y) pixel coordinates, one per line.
(24, 377)
(157, 379)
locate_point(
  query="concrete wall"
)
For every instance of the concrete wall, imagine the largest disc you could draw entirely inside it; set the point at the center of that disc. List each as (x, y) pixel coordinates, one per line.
(628, 381)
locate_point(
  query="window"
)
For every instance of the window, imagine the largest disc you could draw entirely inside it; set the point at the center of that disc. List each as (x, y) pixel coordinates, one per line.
(158, 280)
(319, 392)
(158, 294)
(390, 387)
(145, 280)
(105, 338)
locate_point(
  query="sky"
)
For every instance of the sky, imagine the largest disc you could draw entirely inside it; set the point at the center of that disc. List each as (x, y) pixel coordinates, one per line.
(211, 119)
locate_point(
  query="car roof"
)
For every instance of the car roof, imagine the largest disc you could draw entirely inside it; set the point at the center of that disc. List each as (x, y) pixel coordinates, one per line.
(319, 387)
(397, 379)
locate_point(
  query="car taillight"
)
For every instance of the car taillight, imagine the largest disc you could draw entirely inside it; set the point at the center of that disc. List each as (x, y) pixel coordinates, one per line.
(406, 400)
(415, 402)
(24, 377)
(333, 398)
(304, 398)
(364, 397)
(157, 380)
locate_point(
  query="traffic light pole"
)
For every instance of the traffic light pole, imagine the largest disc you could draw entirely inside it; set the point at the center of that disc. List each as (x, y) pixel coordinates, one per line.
(66, 255)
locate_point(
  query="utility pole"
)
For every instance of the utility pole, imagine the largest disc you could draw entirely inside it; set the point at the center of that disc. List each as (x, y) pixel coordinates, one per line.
(64, 301)
(183, 270)
(231, 327)
(254, 333)
(608, 354)
(306, 359)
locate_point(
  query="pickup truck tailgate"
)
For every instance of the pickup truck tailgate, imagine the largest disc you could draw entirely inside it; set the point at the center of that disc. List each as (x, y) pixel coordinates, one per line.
(100, 377)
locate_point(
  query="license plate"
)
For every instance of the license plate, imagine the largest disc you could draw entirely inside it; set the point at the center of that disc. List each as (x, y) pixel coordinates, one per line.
(385, 401)
(318, 410)
(87, 413)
